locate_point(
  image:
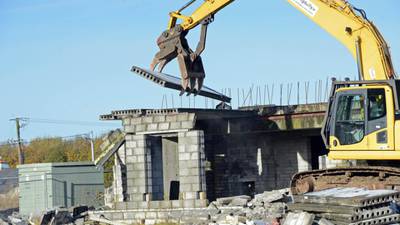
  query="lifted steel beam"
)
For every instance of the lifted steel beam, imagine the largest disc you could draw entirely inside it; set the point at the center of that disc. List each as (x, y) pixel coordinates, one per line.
(173, 82)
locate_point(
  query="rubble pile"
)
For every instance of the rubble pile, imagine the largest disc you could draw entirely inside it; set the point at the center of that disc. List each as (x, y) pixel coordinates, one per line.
(264, 208)
(72, 216)
(11, 216)
(353, 206)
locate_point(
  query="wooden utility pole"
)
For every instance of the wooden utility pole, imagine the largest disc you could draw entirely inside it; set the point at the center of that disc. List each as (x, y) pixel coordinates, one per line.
(20, 153)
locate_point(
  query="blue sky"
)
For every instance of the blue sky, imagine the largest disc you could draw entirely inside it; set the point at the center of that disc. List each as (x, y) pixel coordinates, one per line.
(70, 59)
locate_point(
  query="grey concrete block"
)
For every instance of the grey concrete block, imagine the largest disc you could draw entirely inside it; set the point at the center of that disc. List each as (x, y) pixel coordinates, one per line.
(184, 156)
(140, 151)
(177, 204)
(189, 141)
(171, 118)
(131, 144)
(140, 215)
(117, 216)
(190, 180)
(195, 133)
(181, 148)
(195, 156)
(154, 204)
(141, 143)
(129, 216)
(130, 183)
(162, 215)
(302, 218)
(187, 124)
(194, 172)
(129, 137)
(188, 203)
(129, 167)
(129, 129)
(131, 205)
(151, 215)
(120, 205)
(190, 195)
(199, 187)
(136, 197)
(165, 204)
(192, 116)
(152, 127)
(131, 159)
(136, 120)
(191, 164)
(129, 151)
(143, 205)
(139, 137)
(184, 172)
(140, 159)
(163, 126)
(183, 117)
(147, 119)
(175, 125)
(186, 187)
(159, 119)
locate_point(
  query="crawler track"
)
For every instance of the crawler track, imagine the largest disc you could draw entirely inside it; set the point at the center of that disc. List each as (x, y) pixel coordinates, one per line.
(365, 177)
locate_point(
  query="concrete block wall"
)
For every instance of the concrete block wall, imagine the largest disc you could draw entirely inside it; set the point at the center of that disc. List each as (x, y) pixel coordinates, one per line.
(138, 166)
(144, 162)
(159, 123)
(242, 164)
(292, 155)
(266, 160)
(119, 173)
(192, 165)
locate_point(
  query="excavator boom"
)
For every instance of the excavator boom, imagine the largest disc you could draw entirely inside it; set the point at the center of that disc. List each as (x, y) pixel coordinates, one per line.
(346, 23)
(351, 27)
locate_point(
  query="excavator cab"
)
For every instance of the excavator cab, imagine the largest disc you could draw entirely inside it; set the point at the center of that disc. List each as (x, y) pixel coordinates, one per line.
(361, 119)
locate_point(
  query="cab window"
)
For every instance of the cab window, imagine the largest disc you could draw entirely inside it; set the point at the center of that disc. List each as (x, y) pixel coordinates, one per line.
(376, 104)
(350, 119)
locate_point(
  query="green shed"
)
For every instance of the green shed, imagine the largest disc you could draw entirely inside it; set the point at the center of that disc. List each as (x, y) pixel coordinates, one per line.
(48, 185)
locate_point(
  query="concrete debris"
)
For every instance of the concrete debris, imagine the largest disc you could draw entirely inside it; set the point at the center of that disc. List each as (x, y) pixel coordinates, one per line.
(16, 219)
(104, 220)
(324, 221)
(302, 218)
(228, 200)
(271, 196)
(239, 202)
(2, 222)
(62, 216)
(265, 208)
(72, 216)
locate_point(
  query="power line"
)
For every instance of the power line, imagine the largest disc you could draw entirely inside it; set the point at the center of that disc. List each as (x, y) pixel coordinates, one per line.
(15, 142)
(68, 122)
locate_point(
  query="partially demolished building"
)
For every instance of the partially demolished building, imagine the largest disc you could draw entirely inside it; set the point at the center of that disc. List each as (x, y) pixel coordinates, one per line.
(183, 158)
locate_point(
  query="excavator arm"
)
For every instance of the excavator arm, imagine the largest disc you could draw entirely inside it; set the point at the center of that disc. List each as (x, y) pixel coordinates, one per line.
(352, 28)
(339, 18)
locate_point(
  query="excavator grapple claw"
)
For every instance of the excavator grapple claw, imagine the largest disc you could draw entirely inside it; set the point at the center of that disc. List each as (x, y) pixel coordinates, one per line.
(173, 44)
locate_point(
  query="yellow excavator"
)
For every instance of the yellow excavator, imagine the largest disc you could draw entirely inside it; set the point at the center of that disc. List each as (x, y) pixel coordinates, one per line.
(362, 121)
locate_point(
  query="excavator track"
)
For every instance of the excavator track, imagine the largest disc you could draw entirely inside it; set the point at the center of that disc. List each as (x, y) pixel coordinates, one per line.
(363, 177)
